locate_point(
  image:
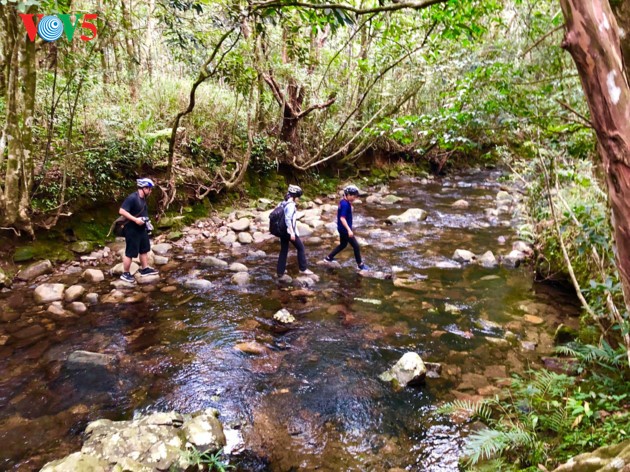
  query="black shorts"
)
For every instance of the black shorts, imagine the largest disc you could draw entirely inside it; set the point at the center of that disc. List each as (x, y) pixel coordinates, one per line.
(136, 240)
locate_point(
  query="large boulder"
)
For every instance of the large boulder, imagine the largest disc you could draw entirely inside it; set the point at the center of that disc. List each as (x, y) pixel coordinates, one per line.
(409, 370)
(48, 293)
(412, 215)
(604, 459)
(35, 270)
(239, 225)
(77, 462)
(154, 442)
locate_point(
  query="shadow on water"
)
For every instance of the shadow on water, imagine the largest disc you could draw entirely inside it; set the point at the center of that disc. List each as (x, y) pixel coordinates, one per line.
(313, 400)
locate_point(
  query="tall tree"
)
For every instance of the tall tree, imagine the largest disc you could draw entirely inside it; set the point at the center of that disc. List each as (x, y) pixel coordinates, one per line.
(593, 40)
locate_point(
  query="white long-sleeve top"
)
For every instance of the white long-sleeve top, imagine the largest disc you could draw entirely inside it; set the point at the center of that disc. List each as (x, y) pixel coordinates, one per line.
(290, 217)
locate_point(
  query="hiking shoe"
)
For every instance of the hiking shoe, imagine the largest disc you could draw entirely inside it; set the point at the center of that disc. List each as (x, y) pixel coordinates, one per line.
(362, 266)
(147, 271)
(127, 277)
(307, 272)
(327, 259)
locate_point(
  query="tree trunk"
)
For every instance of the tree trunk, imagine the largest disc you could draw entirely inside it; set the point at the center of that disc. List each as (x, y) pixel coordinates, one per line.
(621, 9)
(21, 83)
(131, 56)
(592, 38)
(290, 116)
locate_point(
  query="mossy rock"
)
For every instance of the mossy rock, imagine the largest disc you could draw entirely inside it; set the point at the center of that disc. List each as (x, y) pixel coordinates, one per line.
(24, 253)
(173, 235)
(82, 247)
(167, 222)
(378, 173)
(43, 249)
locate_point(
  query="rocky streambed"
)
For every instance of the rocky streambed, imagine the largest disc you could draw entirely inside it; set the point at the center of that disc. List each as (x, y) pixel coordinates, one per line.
(293, 366)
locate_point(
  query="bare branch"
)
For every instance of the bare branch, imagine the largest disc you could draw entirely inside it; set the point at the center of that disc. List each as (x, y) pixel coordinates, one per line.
(585, 121)
(315, 107)
(341, 6)
(542, 38)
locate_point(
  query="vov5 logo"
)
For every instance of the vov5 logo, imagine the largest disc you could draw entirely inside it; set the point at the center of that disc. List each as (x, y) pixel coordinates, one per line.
(50, 27)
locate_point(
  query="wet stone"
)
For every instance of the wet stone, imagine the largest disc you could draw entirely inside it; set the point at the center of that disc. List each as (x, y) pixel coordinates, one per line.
(81, 359)
(93, 275)
(47, 293)
(73, 293)
(32, 331)
(35, 270)
(251, 347)
(535, 320)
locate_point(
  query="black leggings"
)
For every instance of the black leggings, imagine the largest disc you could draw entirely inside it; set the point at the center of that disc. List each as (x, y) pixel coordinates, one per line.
(344, 239)
(284, 251)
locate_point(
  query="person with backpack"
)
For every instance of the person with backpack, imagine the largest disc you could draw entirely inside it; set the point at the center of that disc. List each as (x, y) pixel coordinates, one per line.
(290, 232)
(344, 227)
(136, 230)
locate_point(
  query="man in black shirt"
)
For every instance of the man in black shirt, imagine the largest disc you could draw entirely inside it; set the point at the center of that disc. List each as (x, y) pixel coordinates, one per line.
(134, 208)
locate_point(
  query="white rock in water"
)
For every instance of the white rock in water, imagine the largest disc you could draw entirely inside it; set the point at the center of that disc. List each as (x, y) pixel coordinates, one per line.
(408, 370)
(462, 255)
(238, 267)
(198, 284)
(460, 204)
(371, 301)
(240, 278)
(283, 316)
(488, 260)
(410, 216)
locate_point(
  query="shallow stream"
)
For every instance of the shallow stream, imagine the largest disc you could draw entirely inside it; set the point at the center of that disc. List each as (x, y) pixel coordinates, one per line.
(313, 400)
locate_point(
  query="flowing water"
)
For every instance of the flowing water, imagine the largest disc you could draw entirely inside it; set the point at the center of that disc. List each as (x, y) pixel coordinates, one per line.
(313, 401)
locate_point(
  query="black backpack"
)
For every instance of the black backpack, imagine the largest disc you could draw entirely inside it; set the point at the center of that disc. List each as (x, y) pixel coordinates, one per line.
(277, 224)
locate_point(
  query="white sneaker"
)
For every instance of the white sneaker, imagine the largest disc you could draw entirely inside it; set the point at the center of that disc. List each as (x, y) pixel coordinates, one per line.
(307, 272)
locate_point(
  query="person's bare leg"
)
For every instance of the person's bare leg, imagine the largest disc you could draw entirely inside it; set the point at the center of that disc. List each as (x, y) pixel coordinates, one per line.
(144, 260)
(126, 263)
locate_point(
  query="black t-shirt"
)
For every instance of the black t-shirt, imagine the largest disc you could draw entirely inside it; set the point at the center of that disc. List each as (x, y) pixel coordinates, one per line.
(136, 206)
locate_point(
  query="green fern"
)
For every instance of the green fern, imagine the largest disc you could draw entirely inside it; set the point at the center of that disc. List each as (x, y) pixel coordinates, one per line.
(475, 410)
(603, 355)
(490, 443)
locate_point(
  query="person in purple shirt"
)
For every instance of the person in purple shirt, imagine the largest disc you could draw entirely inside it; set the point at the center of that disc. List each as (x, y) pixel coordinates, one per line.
(344, 226)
